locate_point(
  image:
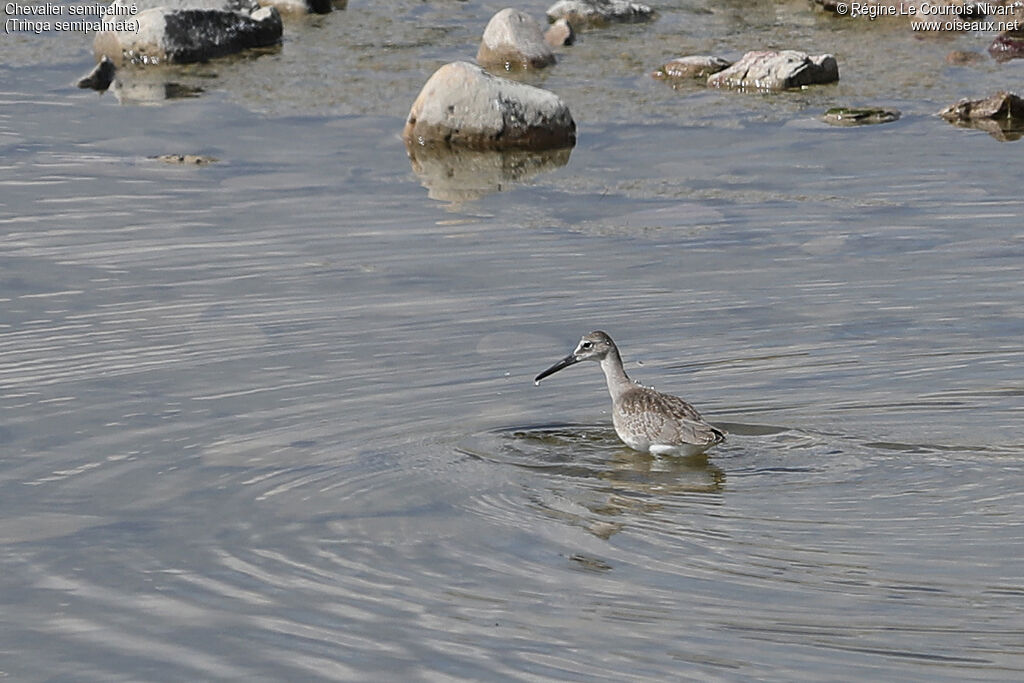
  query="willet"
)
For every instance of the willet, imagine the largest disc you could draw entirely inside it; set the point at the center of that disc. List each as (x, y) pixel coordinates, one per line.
(645, 419)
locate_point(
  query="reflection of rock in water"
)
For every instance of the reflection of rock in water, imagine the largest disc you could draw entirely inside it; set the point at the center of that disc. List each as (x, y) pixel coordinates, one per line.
(1003, 130)
(146, 87)
(460, 175)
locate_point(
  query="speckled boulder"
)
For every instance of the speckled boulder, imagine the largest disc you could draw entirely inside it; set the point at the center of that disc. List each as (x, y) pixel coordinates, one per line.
(598, 12)
(771, 70)
(182, 31)
(514, 40)
(463, 105)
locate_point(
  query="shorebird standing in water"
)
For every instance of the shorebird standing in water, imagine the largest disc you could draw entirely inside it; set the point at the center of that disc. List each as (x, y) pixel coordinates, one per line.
(645, 419)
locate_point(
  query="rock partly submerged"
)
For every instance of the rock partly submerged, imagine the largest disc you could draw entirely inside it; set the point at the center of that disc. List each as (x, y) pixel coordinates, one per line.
(777, 70)
(100, 77)
(964, 57)
(514, 40)
(859, 116)
(599, 12)
(183, 31)
(560, 34)
(463, 105)
(186, 159)
(692, 67)
(1001, 115)
(1001, 105)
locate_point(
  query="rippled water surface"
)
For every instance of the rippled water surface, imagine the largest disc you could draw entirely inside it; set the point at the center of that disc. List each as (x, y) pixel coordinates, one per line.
(273, 418)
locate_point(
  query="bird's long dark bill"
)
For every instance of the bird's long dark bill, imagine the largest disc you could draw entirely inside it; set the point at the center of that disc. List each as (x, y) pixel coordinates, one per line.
(560, 365)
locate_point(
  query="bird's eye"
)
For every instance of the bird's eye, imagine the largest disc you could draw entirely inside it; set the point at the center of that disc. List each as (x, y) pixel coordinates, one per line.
(586, 345)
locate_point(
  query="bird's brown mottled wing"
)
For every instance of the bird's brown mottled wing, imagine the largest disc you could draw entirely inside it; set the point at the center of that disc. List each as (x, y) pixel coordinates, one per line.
(667, 419)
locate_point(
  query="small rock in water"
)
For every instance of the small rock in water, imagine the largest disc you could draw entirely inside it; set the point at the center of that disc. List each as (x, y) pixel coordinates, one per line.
(693, 66)
(964, 57)
(598, 12)
(463, 105)
(1009, 44)
(514, 40)
(857, 116)
(185, 159)
(560, 34)
(100, 77)
(771, 70)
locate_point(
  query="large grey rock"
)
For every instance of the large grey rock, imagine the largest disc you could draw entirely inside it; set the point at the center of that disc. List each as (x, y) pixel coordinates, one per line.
(182, 31)
(598, 12)
(463, 105)
(693, 66)
(771, 70)
(514, 40)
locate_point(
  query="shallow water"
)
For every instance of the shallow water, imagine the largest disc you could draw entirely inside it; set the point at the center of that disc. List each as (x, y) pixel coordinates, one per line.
(273, 418)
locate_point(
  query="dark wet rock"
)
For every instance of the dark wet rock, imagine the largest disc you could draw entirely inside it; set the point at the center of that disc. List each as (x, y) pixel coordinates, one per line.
(183, 31)
(100, 77)
(460, 175)
(598, 12)
(514, 40)
(771, 70)
(964, 58)
(1008, 44)
(186, 159)
(694, 66)
(463, 105)
(859, 116)
(560, 34)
